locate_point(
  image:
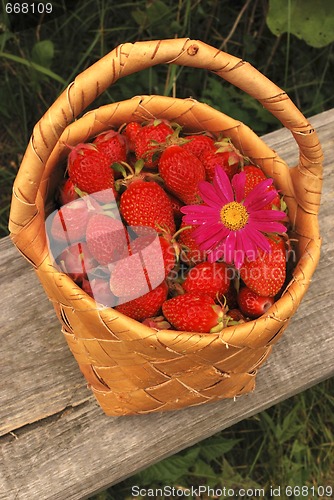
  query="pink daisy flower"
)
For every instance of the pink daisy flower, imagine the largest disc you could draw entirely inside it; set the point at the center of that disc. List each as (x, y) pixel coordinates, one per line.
(230, 225)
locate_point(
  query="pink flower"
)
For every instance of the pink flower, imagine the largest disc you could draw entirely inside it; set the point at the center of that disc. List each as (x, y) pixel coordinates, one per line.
(230, 225)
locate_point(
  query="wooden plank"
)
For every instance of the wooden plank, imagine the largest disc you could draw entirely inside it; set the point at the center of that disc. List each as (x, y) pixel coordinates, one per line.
(56, 443)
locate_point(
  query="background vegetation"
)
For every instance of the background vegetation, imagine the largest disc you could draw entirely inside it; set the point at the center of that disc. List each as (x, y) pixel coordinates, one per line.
(289, 41)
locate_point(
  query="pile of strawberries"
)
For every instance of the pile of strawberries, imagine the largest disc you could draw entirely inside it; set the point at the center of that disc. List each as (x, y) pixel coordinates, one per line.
(118, 231)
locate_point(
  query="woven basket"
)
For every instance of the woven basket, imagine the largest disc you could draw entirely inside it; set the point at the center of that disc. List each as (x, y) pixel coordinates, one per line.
(130, 367)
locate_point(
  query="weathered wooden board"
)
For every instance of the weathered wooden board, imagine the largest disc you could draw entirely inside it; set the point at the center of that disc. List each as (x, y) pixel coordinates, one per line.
(57, 444)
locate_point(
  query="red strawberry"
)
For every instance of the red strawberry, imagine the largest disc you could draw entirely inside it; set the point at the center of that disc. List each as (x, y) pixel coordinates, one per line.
(210, 278)
(76, 260)
(147, 305)
(147, 204)
(254, 175)
(112, 144)
(142, 267)
(99, 290)
(67, 192)
(106, 238)
(194, 313)
(252, 304)
(130, 132)
(190, 251)
(266, 274)
(228, 160)
(148, 138)
(69, 222)
(181, 172)
(236, 315)
(89, 169)
(176, 205)
(199, 144)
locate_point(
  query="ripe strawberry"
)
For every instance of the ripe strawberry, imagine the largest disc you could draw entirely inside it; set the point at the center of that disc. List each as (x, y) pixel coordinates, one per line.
(76, 260)
(69, 222)
(143, 265)
(147, 305)
(112, 144)
(210, 278)
(193, 312)
(252, 304)
(67, 192)
(236, 315)
(228, 160)
(266, 274)
(190, 251)
(176, 205)
(89, 169)
(181, 172)
(130, 133)
(254, 175)
(199, 144)
(106, 238)
(99, 290)
(147, 204)
(148, 138)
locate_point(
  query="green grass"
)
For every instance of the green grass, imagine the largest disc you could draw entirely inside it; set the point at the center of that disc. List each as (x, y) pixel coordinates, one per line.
(291, 443)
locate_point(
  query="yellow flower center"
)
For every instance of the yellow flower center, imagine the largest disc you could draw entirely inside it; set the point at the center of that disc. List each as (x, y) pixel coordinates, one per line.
(234, 216)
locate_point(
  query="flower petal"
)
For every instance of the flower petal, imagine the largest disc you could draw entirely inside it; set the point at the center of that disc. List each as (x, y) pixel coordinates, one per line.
(222, 184)
(267, 215)
(258, 238)
(209, 194)
(238, 184)
(259, 194)
(208, 237)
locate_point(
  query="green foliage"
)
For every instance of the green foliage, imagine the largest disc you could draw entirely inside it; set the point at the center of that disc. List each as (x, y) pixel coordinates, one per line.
(288, 444)
(310, 21)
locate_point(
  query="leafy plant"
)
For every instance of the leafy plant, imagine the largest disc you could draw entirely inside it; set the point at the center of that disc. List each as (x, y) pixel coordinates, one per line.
(307, 20)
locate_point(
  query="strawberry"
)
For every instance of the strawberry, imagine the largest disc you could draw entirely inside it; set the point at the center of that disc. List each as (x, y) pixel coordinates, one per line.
(113, 145)
(89, 169)
(265, 275)
(147, 305)
(76, 260)
(190, 251)
(236, 315)
(144, 264)
(147, 204)
(147, 139)
(252, 304)
(210, 278)
(193, 312)
(130, 132)
(69, 222)
(228, 160)
(67, 192)
(199, 144)
(99, 290)
(157, 322)
(106, 238)
(176, 205)
(181, 172)
(254, 175)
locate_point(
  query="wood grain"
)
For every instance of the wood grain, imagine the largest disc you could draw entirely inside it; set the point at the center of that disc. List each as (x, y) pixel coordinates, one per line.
(57, 444)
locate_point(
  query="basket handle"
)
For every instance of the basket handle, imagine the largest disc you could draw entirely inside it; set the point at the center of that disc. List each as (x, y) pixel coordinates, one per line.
(129, 58)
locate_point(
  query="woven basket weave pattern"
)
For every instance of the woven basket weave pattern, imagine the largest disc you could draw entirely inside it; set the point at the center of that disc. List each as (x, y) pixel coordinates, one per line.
(132, 368)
